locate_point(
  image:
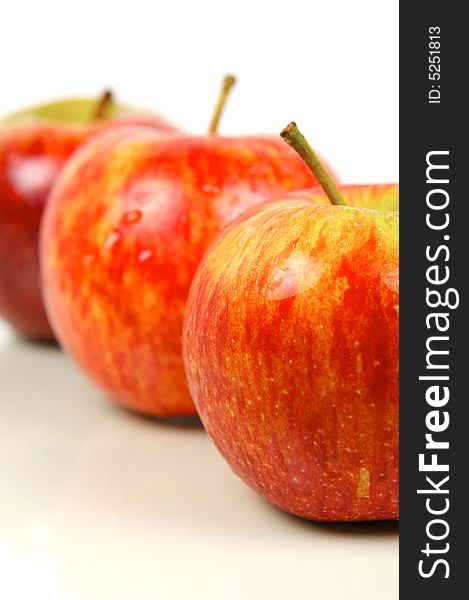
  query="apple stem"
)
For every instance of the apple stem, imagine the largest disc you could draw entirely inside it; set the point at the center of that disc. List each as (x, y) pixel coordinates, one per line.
(294, 138)
(228, 83)
(103, 104)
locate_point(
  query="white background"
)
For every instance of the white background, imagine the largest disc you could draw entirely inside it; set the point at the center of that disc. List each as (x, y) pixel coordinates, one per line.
(330, 65)
(96, 503)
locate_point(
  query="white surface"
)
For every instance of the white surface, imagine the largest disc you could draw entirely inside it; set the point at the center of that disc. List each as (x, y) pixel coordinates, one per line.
(97, 503)
(330, 65)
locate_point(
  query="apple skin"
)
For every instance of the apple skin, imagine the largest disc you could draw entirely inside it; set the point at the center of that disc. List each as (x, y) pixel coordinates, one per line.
(34, 146)
(125, 228)
(291, 352)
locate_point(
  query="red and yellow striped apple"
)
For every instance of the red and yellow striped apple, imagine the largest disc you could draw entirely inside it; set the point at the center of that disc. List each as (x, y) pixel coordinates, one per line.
(34, 146)
(291, 351)
(123, 233)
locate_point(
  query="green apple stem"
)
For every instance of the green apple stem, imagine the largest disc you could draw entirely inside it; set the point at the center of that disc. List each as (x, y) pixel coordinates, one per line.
(294, 138)
(228, 83)
(102, 106)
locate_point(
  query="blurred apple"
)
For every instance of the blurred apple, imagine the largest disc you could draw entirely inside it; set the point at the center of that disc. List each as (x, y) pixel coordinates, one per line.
(126, 226)
(34, 145)
(291, 349)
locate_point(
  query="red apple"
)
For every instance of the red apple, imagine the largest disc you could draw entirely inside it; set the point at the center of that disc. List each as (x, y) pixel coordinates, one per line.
(291, 351)
(34, 146)
(124, 231)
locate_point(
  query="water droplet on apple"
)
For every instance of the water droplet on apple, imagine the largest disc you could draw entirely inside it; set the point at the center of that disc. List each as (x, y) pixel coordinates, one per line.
(144, 255)
(296, 275)
(132, 216)
(111, 240)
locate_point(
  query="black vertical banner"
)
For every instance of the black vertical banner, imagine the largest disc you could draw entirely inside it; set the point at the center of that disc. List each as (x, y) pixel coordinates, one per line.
(434, 269)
